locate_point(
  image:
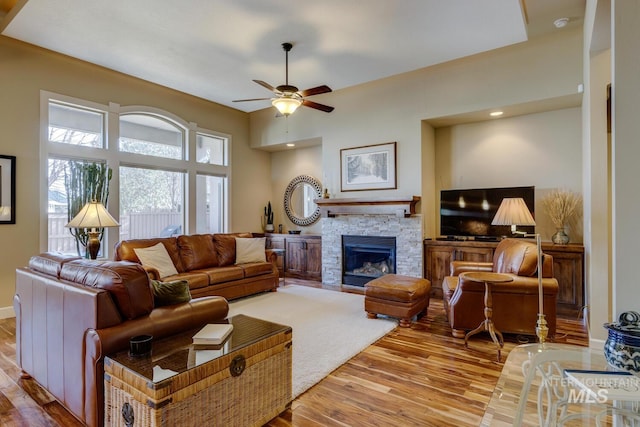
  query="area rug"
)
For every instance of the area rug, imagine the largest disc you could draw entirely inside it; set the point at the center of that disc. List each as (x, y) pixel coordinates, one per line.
(329, 327)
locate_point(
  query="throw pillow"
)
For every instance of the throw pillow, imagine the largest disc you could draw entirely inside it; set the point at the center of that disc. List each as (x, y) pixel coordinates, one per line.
(157, 257)
(169, 293)
(250, 250)
(225, 244)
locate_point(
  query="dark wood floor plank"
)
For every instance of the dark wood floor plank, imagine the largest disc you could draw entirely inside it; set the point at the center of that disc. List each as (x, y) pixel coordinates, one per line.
(418, 376)
(21, 409)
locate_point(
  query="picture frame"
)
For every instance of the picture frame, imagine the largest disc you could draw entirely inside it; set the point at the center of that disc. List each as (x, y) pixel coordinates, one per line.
(7, 189)
(368, 167)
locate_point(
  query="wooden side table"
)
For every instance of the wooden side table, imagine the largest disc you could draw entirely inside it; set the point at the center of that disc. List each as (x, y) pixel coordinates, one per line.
(487, 324)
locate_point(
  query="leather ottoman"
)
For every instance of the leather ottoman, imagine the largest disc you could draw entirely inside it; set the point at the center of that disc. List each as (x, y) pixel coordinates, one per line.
(397, 296)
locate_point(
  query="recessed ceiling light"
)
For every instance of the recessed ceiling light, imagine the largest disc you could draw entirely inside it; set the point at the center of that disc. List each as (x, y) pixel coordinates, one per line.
(291, 145)
(496, 113)
(561, 22)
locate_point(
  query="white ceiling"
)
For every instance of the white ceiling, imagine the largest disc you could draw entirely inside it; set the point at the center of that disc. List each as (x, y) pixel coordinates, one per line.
(215, 48)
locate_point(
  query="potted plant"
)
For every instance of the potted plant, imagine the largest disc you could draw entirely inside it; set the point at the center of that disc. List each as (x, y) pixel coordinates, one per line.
(267, 220)
(85, 182)
(560, 205)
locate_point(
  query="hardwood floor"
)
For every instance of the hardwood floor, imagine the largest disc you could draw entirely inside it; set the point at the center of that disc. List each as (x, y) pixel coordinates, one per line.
(418, 376)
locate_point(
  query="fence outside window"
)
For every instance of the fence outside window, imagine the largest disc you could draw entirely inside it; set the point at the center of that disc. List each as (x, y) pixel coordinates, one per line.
(132, 226)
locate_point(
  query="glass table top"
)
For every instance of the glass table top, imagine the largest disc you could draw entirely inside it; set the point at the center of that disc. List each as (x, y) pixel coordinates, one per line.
(176, 354)
(534, 390)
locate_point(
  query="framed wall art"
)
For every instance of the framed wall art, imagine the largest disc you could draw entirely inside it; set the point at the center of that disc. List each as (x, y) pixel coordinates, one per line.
(7, 189)
(370, 167)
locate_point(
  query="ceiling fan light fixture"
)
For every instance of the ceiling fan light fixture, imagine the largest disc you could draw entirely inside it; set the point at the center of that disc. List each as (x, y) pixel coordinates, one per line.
(286, 105)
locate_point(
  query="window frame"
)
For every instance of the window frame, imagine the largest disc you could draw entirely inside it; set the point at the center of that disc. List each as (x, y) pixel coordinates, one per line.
(115, 159)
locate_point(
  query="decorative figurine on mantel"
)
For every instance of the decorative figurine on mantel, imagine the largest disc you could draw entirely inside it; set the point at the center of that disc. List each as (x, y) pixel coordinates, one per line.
(267, 220)
(325, 195)
(561, 206)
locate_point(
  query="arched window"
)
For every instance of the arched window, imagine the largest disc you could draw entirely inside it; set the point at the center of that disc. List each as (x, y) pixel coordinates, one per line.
(169, 176)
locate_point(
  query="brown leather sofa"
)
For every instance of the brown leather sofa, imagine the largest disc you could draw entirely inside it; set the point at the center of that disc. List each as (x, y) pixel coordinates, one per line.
(515, 304)
(71, 312)
(207, 262)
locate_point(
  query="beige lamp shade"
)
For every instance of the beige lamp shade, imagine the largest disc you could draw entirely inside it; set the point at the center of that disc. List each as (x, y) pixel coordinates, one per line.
(513, 211)
(286, 105)
(93, 215)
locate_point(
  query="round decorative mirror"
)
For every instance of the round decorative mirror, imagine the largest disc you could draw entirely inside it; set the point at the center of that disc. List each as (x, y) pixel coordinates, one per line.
(298, 200)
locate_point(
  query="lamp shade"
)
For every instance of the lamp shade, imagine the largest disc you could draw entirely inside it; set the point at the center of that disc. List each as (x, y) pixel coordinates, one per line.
(92, 215)
(513, 211)
(286, 105)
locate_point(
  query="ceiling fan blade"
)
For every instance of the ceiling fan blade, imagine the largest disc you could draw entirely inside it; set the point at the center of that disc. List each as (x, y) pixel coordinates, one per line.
(252, 99)
(268, 86)
(315, 91)
(317, 106)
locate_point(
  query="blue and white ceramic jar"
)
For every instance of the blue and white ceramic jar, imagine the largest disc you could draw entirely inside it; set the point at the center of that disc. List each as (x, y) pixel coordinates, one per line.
(622, 349)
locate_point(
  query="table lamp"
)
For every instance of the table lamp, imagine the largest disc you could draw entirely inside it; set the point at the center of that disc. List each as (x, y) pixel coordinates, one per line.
(514, 212)
(93, 215)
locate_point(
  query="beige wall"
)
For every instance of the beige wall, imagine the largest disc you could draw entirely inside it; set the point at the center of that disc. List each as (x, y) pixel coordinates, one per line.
(625, 155)
(430, 195)
(542, 149)
(26, 70)
(286, 165)
(597, 171)
(400, 108)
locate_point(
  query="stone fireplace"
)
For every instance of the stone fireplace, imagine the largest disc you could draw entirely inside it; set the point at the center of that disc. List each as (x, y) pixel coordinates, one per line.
(376, 218)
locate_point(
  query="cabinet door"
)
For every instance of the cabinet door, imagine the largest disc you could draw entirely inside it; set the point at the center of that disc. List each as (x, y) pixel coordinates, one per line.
(296, 258)
(567, 269)
(304, 258)
(314, 259)
(438, 260)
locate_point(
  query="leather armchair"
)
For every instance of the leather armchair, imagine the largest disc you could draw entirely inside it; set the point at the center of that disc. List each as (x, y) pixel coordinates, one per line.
(515, 304)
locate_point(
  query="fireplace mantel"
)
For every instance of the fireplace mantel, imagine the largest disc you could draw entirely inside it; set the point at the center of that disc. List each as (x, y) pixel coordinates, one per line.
(401, 207)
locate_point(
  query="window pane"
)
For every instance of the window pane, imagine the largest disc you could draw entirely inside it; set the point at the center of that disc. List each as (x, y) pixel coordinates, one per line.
(210, 196)
(151, 203)
(60, 238)
(151, 136)
(76, 126)
(211, 149)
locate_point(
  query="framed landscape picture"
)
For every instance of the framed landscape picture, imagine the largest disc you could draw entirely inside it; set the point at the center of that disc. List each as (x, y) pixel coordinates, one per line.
(7, 189)
(370, 167)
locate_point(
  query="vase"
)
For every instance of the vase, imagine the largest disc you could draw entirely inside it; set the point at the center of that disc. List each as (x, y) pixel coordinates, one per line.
(560, 237)
(623, 343)
(268, 228)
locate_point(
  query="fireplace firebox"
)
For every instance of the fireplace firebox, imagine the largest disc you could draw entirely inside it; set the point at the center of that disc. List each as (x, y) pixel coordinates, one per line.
(366, 257)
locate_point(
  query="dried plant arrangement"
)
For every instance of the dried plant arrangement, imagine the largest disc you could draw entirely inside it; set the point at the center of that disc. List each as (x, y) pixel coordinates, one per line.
(561, 205)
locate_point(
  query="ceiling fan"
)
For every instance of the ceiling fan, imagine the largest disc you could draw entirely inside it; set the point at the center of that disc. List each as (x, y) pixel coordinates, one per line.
(289, 98)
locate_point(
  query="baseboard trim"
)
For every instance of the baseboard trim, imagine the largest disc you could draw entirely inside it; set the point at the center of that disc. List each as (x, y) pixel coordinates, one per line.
(7, 312)
(598, 344)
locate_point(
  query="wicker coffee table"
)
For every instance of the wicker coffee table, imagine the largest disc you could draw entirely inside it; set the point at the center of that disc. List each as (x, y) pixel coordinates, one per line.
(244, 382)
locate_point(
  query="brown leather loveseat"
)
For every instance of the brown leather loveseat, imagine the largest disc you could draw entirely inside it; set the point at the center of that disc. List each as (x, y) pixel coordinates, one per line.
(208, 263)
(515, 304)
(71, 312)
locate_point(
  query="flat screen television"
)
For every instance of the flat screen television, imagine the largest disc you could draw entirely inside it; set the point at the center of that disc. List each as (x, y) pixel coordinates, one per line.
(468, 213)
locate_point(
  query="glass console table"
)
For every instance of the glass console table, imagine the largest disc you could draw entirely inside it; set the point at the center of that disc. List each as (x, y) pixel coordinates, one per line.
(534, 390)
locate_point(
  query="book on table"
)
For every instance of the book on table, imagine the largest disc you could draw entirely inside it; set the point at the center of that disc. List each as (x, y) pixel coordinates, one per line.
(213, 334)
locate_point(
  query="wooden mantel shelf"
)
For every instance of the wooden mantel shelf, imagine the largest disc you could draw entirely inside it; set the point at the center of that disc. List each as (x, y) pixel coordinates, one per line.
(401, 207)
